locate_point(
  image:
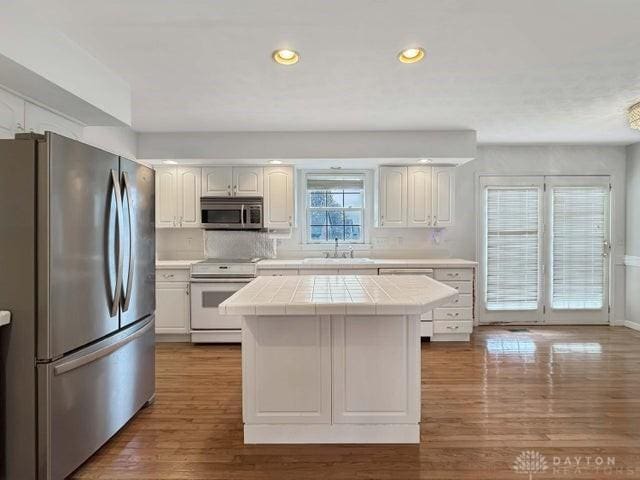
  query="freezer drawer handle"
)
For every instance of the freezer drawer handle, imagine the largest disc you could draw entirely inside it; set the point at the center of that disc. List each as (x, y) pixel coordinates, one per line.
(127, 293)
(103, 352)
(118, 288)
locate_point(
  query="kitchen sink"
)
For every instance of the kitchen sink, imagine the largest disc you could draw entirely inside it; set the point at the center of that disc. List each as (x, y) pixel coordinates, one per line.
(337, 261)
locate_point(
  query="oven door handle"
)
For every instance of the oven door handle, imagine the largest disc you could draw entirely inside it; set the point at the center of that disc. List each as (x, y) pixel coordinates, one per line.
(221, 280)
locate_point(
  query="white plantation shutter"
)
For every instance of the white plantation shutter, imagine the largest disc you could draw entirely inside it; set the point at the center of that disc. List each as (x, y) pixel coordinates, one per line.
(578, 236)
(512, 248)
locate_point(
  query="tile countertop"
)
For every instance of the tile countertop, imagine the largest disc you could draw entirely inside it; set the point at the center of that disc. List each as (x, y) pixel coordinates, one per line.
(185, 264)
(5, 318)
(338, 295)
(374, 263)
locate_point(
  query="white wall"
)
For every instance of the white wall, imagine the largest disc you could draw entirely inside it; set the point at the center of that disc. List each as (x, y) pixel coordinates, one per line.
(120, 140)
(41, 63)
(633, 237)
(308, 145)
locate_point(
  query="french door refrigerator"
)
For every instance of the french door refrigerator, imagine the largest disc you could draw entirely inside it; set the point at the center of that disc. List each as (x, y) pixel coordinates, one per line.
(77, 267)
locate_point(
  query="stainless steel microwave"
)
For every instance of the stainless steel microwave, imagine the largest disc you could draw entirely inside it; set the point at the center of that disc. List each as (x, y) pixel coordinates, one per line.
(237, 213)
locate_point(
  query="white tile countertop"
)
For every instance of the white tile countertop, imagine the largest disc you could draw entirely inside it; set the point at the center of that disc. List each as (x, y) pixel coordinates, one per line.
(175, 263)
(338, 295)
(5, 318)
(345, 263)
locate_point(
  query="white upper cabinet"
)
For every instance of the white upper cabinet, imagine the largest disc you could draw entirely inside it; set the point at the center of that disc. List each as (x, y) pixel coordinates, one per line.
(278, 197)
(166, 197)
(419, 196)
(11, 115)
(217, 181)
(416, 196)
(39, 120)
(232, 181)
(247, 181)
(393, 197)
(189, 197)
(443, 196)
(177, 197)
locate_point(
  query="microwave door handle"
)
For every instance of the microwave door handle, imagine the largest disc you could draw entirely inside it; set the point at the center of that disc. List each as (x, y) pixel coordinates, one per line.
(242, 215)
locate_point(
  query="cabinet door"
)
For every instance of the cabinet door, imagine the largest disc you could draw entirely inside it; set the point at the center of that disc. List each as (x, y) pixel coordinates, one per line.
(166, 197)
(419, 196)
(217, 181)
(376, 369)
(283, 352)
(39, 120)
(172, 307)
(443, 195)
(189, 197)
(278, 197)
(247, 181)
(11, 115)
(393, 196)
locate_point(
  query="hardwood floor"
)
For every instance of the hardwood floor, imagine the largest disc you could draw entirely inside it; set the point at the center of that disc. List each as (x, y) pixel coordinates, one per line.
(570, 394)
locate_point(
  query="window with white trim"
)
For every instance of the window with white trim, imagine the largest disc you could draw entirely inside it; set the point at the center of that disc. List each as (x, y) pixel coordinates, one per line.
(335, 207)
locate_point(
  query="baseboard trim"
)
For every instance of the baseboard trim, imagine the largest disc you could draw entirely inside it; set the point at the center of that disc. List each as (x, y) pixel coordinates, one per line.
(331, 433)
(216, 336)
(172, 338)
(632, 325)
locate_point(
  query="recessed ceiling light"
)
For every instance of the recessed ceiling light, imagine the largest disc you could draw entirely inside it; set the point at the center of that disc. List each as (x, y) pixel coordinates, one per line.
(285, 57)
(425, 160)
(275, 162)
(411, 55)
(169, 162)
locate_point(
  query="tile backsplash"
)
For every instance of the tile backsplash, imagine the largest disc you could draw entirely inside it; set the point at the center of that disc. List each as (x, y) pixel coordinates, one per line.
(232, 244)
(179, 243)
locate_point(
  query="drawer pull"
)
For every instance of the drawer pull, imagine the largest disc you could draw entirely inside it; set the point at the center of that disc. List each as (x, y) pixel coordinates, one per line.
(453, 275)
(166, 275)
(453, 327)
(453, 315)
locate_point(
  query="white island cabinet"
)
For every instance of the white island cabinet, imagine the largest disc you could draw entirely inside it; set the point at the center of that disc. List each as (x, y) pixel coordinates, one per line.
(333, 359)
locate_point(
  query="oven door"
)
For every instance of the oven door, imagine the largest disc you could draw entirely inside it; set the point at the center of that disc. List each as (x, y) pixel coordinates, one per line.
(206, 295)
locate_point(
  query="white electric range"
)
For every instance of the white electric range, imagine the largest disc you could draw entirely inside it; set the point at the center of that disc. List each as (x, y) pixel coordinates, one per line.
(212, 282)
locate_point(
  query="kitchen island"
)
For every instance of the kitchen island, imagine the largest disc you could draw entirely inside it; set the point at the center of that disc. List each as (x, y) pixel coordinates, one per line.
(333, 359)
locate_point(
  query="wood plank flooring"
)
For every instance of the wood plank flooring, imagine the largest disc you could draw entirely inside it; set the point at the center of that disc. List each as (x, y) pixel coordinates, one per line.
(569, 394)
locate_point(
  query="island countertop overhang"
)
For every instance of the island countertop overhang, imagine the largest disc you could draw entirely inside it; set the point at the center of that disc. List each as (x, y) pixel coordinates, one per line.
(338, 295)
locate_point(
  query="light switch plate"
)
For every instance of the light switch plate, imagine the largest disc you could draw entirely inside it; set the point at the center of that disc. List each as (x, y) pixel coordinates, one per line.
(5, 318)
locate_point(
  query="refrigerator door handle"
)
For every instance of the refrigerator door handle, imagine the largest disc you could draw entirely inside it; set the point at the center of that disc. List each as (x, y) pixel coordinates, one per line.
(118, 288)
(127, 293)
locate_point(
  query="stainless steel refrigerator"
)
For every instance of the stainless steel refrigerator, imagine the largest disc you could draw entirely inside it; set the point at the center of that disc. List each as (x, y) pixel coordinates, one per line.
(77, 267)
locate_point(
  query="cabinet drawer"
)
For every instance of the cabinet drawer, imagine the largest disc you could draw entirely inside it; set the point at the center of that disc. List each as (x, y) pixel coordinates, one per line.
(461, 301)
(172, 275)
(427, 316)
(452, 326)
(278, 273)
(454, 274)
(463, 313)
(462, 287)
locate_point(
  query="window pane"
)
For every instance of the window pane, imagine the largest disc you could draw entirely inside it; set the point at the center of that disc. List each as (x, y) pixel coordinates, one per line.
(513, 248)
(336, 232)
(353, 200)
(335, 217)
(318, 217)
(353, 217)
(353, 234)
(318, 233)
(318, 199)
(578, 235)
(334, 199)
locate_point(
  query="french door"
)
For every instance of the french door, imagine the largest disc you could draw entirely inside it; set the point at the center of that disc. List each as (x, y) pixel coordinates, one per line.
(545, 250)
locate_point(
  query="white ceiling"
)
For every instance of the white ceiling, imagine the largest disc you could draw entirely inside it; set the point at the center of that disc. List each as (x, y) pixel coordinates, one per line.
(517, 71)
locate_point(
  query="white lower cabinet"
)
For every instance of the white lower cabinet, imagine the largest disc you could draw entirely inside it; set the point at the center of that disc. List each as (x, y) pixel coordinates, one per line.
(172, 304)
(350, 372)
(384, 348)
(272, 344)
